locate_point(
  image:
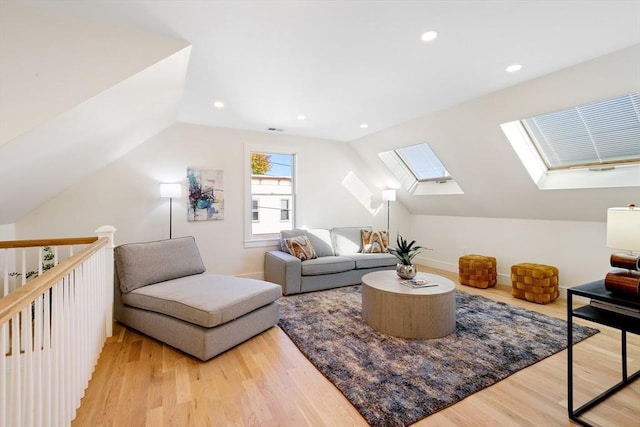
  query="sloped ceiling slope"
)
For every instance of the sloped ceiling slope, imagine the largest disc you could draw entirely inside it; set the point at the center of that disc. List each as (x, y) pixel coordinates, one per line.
(345, 63)
(469, 141)
(74, 96)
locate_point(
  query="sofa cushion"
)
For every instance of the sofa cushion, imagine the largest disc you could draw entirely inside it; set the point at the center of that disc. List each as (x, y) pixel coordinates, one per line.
(374, 242)
(374, 260)
(207, 300)
(347, 240)
(300, 247)
(327, 265)
(320, 239)
(142, 264)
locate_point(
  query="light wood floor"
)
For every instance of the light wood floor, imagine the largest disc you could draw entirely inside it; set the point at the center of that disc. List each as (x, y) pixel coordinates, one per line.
(266, 381)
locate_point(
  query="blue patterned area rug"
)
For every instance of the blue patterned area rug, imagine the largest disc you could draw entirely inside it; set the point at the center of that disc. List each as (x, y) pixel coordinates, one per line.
(395, 381)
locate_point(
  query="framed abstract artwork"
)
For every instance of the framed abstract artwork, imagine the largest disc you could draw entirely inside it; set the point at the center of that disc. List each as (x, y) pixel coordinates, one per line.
(206, 194)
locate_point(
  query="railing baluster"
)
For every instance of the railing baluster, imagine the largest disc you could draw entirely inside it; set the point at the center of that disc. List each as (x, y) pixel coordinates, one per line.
(15, 393)
(53, 348)
(52, 327)
(47, 356)
(27, 373)
(4, 393)
(37, 345)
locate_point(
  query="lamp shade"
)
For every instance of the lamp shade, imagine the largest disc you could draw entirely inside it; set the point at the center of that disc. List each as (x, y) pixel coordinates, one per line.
(623, 228)
(388, 195)
(170, 190)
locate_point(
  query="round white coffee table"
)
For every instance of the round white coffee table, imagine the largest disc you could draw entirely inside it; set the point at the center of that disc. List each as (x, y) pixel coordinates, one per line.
(395, 309)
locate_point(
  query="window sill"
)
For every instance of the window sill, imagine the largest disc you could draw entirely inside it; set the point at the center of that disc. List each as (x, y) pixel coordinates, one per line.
(621, 176)
(262, 243)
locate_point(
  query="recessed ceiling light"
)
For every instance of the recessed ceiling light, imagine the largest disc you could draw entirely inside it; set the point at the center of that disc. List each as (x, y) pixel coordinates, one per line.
(429, 36)
(300, 117)
(218, 104)
(364, 126)
(513, 68)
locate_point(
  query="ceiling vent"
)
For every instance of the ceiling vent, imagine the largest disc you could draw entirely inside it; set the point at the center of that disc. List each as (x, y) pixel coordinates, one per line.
(275, 130)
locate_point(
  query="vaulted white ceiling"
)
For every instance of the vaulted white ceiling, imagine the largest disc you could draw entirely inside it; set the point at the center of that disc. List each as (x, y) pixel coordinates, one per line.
(145, 64)
(344, 63)
(75, 96)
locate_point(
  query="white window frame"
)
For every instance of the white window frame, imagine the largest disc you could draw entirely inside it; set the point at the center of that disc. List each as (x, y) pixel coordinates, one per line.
(410, 182)
(606, 175)
(620, 175)
(430, 156)
(607, 130)
(287, 209)
(255, 209)
(249, 240)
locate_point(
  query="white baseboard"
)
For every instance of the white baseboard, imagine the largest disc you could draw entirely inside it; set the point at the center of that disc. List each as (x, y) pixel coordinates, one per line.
(503, 279)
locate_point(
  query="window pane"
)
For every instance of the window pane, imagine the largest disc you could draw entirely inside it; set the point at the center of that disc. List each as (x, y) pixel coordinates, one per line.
(271, 187)
(284, 210)
(598, 133)
(255, 211)
(423, 162)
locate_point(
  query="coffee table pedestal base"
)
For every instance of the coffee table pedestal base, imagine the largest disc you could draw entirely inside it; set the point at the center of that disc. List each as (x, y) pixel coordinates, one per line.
(397, 310)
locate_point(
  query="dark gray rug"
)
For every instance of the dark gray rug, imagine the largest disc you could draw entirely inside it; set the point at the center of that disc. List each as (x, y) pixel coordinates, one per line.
(394, 381)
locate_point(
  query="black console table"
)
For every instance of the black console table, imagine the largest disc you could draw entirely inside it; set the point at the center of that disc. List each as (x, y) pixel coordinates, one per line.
(624, 322)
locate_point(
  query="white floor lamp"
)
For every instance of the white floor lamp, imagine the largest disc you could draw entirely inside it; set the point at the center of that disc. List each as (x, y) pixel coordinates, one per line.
(388, 196)
(170, 191)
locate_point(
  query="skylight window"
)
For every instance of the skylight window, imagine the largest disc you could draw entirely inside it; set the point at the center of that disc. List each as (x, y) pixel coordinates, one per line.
(590, 146)
(601, 133)
(419, 170)
(423, 163)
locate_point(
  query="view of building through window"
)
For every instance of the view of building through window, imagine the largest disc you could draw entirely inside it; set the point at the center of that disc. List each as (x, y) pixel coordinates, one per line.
(271, 193)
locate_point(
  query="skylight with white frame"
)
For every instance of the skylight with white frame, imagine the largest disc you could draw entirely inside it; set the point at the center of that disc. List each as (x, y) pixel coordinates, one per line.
(564, 149)
(594, 134)
(418, 169)
(423, 163)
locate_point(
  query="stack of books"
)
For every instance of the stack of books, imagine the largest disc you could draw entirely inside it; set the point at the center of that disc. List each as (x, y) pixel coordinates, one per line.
(418, 283)
(625, 279)
(616, 308)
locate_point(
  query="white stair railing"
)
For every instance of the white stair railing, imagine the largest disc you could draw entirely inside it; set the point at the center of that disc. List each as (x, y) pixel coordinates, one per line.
(53, 326)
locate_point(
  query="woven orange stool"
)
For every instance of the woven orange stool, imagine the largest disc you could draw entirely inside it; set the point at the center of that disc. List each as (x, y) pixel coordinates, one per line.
(478, 271)
(534, 282)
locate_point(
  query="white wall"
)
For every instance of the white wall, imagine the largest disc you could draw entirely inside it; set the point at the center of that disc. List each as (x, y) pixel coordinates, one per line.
(125, 194)
(502, 213)
(51, 63)
(7, 232)
(7, 257)
(576, 248)
(469, 141)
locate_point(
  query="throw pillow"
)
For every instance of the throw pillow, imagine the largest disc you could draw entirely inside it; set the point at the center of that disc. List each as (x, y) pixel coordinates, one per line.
(374, 242)
(300, 247)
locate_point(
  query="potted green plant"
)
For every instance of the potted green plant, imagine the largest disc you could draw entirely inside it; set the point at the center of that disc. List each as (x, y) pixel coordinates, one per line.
(405, 252)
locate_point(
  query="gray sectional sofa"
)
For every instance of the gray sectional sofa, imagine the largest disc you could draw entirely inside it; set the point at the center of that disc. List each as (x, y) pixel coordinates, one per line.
(339, 262)
(162, 290)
